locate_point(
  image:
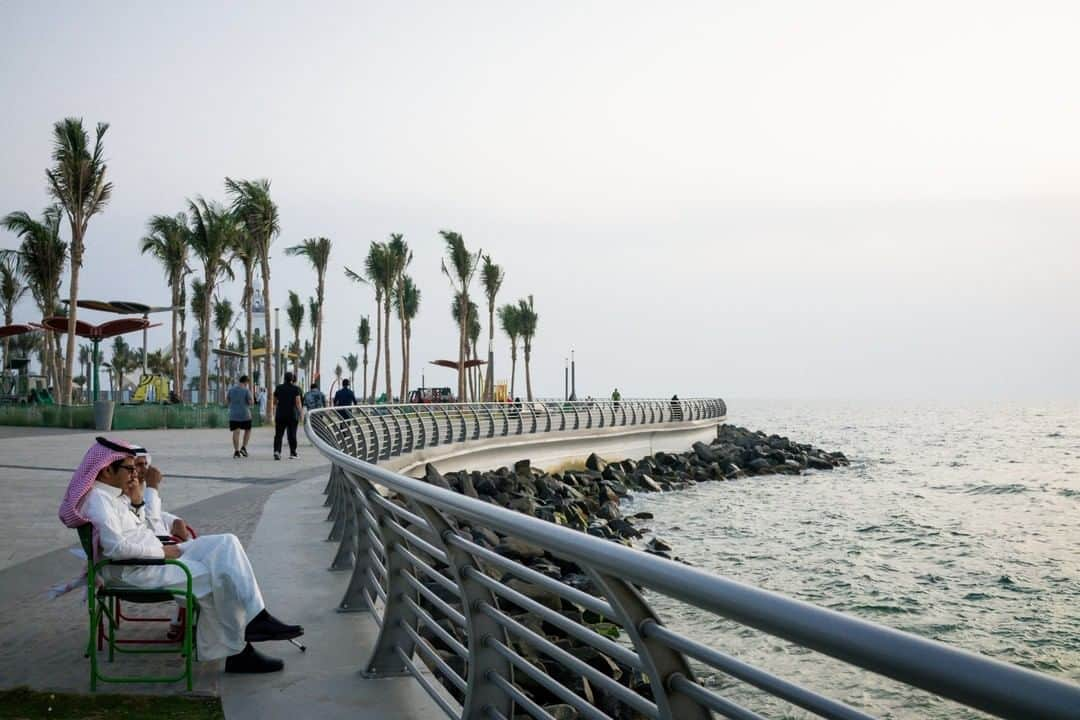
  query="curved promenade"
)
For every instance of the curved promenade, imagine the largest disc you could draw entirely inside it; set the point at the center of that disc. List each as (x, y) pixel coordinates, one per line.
(485, 635)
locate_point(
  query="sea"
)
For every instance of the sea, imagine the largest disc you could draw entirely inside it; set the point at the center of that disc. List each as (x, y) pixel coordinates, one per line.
(957, 522)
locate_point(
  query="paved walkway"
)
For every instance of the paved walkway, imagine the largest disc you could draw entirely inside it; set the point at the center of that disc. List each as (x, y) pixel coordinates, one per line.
(275, 508)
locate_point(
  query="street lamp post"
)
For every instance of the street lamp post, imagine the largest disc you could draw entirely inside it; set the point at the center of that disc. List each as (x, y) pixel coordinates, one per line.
(566, 380)
(573, 377)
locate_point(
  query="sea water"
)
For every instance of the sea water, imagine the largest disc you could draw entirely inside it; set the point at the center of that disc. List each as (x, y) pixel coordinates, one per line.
(959, 523)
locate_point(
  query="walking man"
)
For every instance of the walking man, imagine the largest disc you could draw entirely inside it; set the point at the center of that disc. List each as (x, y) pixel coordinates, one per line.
(240, 401)
(313, 398)
(345, 395)
(615, 396)
(287, 412)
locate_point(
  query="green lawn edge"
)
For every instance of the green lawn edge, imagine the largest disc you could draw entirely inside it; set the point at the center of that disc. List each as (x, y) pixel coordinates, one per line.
(30, 704)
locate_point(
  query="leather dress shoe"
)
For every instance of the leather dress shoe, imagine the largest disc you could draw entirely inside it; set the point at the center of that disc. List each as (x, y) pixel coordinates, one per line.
(250, 660)
(267, 627)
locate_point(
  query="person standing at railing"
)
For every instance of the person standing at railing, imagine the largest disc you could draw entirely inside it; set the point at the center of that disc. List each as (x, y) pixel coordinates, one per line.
(615, 396)
(287, 414)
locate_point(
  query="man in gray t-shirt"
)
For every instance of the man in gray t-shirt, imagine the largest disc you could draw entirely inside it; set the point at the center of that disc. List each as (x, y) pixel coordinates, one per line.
(240, 401)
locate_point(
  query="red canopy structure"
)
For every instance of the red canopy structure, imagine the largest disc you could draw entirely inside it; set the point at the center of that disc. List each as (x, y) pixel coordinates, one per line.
(16, 329)
(96, 333)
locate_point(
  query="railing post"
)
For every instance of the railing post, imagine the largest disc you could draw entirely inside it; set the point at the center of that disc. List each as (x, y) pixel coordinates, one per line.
(482, 695)
(660, 662)
(343, 560)
(384, 660)
(354, 599)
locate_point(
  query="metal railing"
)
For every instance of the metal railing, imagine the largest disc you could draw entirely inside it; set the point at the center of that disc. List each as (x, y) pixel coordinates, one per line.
(465, 618)
(380, 432)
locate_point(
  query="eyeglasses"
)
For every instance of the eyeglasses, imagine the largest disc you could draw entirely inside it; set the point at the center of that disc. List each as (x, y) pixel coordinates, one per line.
(129, 468)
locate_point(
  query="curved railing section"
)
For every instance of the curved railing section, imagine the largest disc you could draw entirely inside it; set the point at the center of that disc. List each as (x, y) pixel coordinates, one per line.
(487, 636)
(377, 433)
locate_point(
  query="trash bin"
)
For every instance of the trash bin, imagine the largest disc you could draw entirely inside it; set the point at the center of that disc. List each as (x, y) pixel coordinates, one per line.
(103, 414)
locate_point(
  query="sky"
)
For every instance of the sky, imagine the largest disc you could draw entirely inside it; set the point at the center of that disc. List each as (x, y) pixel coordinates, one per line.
(740, 199)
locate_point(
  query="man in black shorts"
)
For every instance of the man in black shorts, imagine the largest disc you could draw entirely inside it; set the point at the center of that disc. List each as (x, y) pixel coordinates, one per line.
(240, 401)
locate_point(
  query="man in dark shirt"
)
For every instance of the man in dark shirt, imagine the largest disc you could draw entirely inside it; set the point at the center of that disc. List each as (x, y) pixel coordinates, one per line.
(286, 415)
(345, 395)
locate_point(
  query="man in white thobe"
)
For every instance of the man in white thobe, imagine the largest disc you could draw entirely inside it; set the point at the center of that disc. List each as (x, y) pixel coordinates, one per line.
(232, 613)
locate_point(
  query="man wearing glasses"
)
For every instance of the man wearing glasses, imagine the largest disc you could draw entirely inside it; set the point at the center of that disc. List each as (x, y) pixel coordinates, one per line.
(232, 614)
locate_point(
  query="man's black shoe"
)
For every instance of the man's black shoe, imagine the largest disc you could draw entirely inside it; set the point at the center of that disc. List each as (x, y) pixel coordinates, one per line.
(266, 627)
(250, 660)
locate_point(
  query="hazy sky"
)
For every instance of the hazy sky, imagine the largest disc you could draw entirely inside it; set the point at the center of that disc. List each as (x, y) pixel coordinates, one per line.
(782, 199)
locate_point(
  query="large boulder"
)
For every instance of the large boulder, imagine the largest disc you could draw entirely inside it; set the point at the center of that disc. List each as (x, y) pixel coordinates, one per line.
(595, 463)
(434, 477)
(704, 452)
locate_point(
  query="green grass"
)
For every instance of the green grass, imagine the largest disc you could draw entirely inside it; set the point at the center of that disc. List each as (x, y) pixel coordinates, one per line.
(25, 703)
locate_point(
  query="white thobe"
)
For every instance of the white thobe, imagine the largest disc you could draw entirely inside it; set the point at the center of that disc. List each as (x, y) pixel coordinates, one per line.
(222, 578)
(160, 522)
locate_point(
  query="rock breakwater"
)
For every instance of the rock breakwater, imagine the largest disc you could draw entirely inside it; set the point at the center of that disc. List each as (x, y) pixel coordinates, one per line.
(588, 500)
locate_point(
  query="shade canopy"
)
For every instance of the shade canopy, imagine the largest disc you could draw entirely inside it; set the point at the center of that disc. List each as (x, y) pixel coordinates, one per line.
(260, 352)
(227, 353)
(452, 364)
(121, 307)
(16, 329)
(108, 329)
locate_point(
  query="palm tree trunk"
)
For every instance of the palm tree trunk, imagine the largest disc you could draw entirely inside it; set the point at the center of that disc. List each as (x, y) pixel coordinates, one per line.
(318, 340)
(73, 306)
(174, 330)
(461, 346)
(479, 394)
(267, 377)
(378, 350)
(528, 373)
(513, 366)
(204, 345)
(408, 355)
(404, 393)
(296, 358)
(386, 338)
(249, 295)
(363, 389)
(489, 394)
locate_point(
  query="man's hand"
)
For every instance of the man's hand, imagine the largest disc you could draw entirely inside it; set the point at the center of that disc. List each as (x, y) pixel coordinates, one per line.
(179, 529)
(153, 477)
(172, 551)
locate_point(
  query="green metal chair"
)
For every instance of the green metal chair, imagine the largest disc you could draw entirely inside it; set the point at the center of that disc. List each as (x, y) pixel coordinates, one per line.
(102, 603)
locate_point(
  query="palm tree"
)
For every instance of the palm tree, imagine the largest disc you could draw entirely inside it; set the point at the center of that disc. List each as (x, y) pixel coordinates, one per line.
(317, 252)
(85, 359)
(376, 271)
(408, 306)
(167, 241)
(338, 372)
(295, 313)
(314, 318)
(491, 276)
(40, 259)
(198, 310)
(400, 256)
(464, 267)
(473, 329)
(213, 231)
(363, 336)
(77, 181)
(474, 339)
(258, 214)
(527, 318)
(223, 317)
(510, 319)
(246, 250)
(352, 361)
(12, 290)
(123, 361)
(306, 358)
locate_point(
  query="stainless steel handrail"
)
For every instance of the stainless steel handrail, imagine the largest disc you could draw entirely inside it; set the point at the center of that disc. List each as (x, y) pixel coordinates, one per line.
(474, 622)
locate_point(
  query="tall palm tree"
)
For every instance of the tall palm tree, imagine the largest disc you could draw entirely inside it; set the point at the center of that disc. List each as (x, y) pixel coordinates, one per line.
(400, 256)
(245, 249)
(463, 265)
(257, 212)
(40, 260)
(474, 339)
(317, 252)
(377, 266)
(12, 290)
(491, 277)
(338, 372)
(363, 336)
(351, 363)
(314, 319)
(510, 319)
(213, 231)
(295, 313)
(123, 361)
(473, 330)
(77, 181)
(223, 317)
(198, 311)
(407, 307)
(167, 241)
(528, 319)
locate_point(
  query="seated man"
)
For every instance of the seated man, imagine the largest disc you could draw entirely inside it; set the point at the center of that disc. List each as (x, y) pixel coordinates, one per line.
(232, 613)
(149, 480)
